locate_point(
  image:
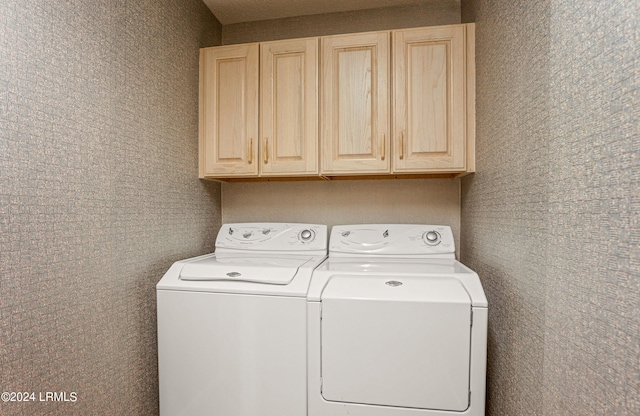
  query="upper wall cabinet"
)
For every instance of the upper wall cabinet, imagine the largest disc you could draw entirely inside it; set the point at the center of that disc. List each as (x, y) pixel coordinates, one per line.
(229, 111)
(279, 139)
(392, 103)
(289, 107)
(430, 117)
(355, 104)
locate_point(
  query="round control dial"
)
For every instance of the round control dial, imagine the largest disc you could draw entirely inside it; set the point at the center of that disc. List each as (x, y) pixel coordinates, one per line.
(306, 235)
(431, 237)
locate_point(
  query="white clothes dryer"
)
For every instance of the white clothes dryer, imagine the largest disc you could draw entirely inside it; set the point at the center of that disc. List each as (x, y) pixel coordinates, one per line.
(397, 326)
(232, 326)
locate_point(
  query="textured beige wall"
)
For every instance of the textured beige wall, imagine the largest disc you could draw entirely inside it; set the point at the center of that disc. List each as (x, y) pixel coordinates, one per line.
(427, 13)
(344, 202)
(431, 201)
(99, 193)
(551, 221)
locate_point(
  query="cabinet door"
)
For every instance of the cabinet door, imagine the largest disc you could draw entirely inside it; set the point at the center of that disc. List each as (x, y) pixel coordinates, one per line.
(355, 104)
(229, 111)
(289, 107)
(429, 113)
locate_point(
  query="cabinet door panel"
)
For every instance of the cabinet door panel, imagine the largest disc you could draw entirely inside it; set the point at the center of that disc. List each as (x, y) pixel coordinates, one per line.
(289, 107)
(355, 104)
(229, 126)
(229, 111)
(427, 88)
(429, 106)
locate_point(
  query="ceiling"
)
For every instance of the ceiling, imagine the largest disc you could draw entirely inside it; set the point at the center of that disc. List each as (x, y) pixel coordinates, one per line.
(236, 11)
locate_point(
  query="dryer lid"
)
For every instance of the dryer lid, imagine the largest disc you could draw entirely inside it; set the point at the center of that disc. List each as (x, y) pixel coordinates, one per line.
(396, 341)
(432, 289)
(258, 269)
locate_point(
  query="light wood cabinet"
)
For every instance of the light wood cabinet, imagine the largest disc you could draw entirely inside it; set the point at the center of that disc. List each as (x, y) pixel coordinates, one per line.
(229, 111)
(278, 136)
(392, 104)
(430, 99)
(289, 107)
(355, 104)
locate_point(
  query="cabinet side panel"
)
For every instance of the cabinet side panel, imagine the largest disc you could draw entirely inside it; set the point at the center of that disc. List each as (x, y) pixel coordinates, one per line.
(207, 112)
(471, 95)
(202, 119)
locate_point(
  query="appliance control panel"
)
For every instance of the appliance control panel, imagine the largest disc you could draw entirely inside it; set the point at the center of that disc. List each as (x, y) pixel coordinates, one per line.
(272, 237)
(411, 240)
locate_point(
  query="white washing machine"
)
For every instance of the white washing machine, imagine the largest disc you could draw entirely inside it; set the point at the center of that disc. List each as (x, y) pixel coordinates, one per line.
(397, 326)
(232, 326)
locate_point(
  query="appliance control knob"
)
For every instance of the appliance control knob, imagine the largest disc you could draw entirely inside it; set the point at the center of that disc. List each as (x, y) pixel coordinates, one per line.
(431, 237)
(306, 235)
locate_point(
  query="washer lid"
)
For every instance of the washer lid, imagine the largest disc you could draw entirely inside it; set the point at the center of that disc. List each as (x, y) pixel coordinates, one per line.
(233, 267)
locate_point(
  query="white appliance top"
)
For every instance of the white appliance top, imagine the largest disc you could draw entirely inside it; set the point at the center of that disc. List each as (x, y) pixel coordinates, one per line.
(405, 255)
(281, 238)
(254, 258)
(392, 240)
